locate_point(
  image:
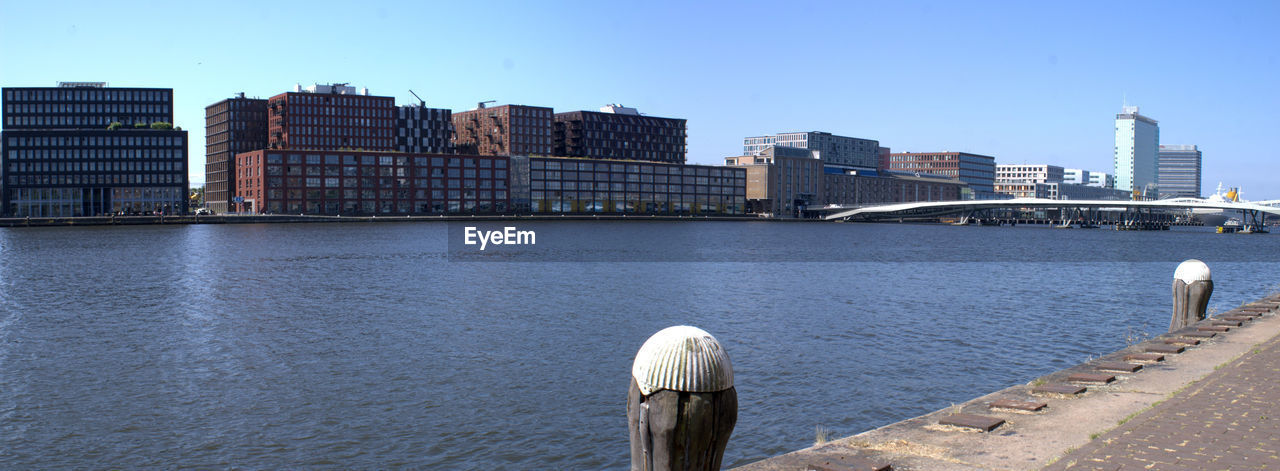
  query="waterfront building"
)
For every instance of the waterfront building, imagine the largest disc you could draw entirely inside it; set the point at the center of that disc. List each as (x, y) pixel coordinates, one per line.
(1102, 180)
(883, 154)
(504, 130)
(1179, 173)
(577, 185)
(617, 132)
(83, 149)
(831, 149)
(424, 130)
(330, 117)
(1075, 176)
(1029, 173)
(1020, 181)
(1137, 146)
(231, 126)
(975, 170)
(294, 181)
(1070, 191)
(781, 181)
(889, 187)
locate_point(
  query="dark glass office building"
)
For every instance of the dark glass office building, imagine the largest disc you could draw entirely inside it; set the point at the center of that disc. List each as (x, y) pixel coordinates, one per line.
(61, 155)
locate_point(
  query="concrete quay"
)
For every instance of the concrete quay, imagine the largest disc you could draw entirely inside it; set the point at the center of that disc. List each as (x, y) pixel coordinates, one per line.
(299, 218)
(1203, 397)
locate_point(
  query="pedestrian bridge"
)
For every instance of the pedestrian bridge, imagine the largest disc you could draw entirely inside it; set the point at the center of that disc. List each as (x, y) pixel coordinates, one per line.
(1254, 214)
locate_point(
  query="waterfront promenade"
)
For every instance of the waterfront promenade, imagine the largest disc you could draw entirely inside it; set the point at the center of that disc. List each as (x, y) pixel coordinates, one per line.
(1228, 420)
(1200, 398)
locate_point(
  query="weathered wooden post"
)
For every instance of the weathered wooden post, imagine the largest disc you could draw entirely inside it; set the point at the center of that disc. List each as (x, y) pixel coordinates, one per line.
(1192, 287)
(681, 407)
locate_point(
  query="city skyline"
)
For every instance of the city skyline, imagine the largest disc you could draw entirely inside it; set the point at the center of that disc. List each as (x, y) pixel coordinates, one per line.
(1024, 83)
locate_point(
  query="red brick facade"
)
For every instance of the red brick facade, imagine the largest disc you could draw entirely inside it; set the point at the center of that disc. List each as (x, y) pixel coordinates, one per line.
(330, 121)
(295, 181)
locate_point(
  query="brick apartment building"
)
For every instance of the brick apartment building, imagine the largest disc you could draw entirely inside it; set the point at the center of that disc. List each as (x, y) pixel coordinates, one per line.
(504, 130)
(331, 117)
(231, 126)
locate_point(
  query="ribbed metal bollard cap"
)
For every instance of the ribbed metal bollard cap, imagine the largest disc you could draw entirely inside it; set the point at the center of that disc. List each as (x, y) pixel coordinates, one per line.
(1192, 270)
(682, 358)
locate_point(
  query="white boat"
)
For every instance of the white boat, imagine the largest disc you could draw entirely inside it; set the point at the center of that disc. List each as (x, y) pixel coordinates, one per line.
(1218, 217)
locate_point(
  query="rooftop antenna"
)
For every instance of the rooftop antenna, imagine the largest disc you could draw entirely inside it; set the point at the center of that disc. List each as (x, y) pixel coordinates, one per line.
(421, 103)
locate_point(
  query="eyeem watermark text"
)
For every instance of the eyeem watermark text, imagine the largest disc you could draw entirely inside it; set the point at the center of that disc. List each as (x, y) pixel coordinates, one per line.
(507, 236)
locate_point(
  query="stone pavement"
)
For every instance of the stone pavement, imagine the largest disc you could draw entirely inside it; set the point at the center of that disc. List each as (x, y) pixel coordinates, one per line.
(1228, 420)
(1203, 397)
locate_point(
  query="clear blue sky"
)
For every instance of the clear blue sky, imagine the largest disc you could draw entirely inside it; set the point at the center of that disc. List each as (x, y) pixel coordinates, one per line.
(1026, 82)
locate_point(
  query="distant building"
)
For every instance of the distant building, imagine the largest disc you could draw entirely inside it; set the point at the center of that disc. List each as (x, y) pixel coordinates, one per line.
(617, 132)
(784, 181)
(1179, 174)
(977, 171)
(293, 181)
(831, 149)
(884, 153)
(890, 187)
(1068, 191)
(580, 185)
(1029, 173)
(781, 180)
(1075, 176)
(59, 157)
(1102, 180)
(1019, 181)
(1137, 146)
(330, 117)
(504, 130)
(424, 130)
(231, 126)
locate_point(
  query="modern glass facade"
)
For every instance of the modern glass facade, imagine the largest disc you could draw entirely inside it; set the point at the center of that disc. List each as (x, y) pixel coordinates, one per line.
(568, 185)
(1179, 174)
(1137, 145)
(59, 159)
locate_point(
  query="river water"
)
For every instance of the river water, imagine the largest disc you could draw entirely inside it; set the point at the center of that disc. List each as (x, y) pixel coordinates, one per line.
(398, 345)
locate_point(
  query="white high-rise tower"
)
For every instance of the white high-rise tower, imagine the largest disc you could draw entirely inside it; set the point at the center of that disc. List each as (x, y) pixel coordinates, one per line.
(1137, 152)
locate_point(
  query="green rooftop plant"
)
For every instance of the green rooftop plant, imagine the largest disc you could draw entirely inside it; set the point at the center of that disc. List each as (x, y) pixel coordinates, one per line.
(139, 125)
(161, 125)
(114, 126)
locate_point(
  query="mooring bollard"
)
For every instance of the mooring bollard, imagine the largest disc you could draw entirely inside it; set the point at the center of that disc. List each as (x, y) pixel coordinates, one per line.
(681, 407)
(1192, 287)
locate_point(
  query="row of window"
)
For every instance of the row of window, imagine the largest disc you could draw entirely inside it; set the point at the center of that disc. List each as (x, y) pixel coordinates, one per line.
(95, 121)
(367, 159)
(639, 188)
(106, 139)
(95, 154)
(321, 195)
(340, 111)
(98, 179)
(96, 166)
(63, 94)
(386, 207)
(383, 182)
(373, 171)
(689, 170)
(85, 108)
(587, 176)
